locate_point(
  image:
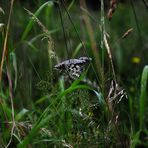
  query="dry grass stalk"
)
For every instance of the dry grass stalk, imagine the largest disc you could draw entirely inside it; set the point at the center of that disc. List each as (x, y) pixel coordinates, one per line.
(45, 30)
(110, 55)
(115, 95)
(127, 33)
(5, 55)
(5, 49)
(47, 34)
(113, 6)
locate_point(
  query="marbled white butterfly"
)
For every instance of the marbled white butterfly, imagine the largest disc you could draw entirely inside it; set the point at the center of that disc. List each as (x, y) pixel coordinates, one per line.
(73, 67)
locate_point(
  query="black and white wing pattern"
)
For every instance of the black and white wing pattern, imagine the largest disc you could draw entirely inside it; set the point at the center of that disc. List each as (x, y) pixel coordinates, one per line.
(73, 67)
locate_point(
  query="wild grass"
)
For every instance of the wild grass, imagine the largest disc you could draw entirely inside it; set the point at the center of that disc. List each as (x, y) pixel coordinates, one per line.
(105, 106)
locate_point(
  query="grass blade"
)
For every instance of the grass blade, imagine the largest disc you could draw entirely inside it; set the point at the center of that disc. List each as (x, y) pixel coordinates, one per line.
(143, 96)
(31, 22)
(42, 121)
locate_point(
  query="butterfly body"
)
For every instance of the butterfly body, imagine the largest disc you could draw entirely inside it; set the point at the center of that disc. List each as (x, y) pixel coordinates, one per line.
(73, 67)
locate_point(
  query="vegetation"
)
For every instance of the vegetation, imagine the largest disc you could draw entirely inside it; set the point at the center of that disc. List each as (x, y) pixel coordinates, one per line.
(105, 106)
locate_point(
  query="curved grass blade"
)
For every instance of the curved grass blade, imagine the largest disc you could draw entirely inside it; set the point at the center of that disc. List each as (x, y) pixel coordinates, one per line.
(143, 95)
(14, 63)
(31, 22)
(75, 87)
(79, 46)
(21, 114)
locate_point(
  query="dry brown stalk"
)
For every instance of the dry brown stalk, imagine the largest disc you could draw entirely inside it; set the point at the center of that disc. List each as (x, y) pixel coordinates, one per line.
(5, 49)
(113, 6)
(127, 33)
(5, 55)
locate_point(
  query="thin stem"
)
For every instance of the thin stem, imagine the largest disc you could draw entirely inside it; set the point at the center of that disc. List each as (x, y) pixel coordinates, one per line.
(65, 39)
(136, 19)
(102, 31)
(92, 39)
(102, 41)
(105, 43)
(80, 39)
(5, 49)
(12, 105)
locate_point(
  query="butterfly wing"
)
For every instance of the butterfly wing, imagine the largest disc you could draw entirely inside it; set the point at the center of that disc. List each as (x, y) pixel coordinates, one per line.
(73, 67)
(75, 70)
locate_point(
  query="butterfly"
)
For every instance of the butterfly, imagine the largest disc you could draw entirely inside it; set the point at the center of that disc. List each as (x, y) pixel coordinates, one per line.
(73, 67)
